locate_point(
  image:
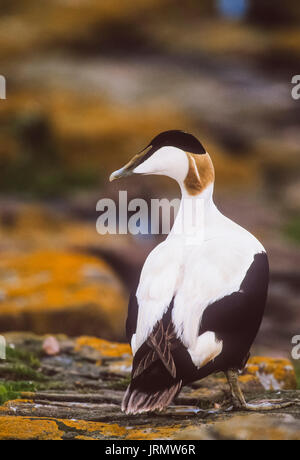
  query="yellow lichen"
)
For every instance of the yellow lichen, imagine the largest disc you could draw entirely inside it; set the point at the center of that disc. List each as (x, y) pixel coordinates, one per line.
(26, 428)
(104, 347)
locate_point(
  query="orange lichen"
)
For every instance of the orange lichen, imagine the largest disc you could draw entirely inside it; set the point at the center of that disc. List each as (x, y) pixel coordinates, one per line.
(114, 430)
(52, 279)
(150, 433)
(42, 283)
(106, 429)
(247, 378)
(104, 347)
(17, 402)
(281, 370)
(15, 405)
(26, 428)
(84, 438)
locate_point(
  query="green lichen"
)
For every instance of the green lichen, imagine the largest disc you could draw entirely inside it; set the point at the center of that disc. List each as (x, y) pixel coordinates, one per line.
(20, 371)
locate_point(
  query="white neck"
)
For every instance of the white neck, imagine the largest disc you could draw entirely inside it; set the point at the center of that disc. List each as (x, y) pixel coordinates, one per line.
(198, 217)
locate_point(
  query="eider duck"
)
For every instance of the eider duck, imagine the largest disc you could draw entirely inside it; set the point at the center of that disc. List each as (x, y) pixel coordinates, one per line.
(201, 294)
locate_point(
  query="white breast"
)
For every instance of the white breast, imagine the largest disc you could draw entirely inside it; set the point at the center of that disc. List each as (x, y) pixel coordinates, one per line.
(160, 279)
(195, 276)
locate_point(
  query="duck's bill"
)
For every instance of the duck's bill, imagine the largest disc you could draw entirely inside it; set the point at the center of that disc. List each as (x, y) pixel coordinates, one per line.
(123, 172)
(129, 168)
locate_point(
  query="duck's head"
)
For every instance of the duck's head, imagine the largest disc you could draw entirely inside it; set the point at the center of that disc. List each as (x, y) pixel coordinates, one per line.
(175, 154)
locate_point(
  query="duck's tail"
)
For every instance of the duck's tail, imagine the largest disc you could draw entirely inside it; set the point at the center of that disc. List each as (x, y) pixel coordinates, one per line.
(137, 401)
(153, 390)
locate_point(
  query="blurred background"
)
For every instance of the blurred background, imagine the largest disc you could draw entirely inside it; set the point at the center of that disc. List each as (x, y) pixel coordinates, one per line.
(90, 83)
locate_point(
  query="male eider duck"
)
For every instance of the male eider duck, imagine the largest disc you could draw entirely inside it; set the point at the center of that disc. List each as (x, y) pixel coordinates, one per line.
(201, 296)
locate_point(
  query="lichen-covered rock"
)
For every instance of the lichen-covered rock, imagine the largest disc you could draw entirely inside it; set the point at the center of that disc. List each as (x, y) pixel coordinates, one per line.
(247, 427)
(78, 392)
(105, 348)
(35, 428)
(23, 428)
(273, 374)
(48, 291)
(73, 124)
(260, 373)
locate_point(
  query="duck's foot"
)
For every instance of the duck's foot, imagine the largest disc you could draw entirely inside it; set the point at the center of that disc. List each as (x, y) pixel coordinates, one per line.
(266, 405)
(240, 403)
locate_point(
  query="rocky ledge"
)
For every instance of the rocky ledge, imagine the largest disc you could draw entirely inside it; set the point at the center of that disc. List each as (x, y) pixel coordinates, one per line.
(62, 388)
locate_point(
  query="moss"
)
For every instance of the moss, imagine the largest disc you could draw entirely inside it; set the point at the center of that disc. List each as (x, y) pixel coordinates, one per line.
(292, 230)
(12, 390)
(21, 365)
(15, 355)
(120, 385)
(20, 371)
(297, 371)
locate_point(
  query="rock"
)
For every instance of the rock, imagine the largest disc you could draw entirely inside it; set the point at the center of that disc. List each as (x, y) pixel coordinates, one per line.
(67, 23)
(98, 348)
(247, 427)
(88, 123)
(77, 395)
(61, 292)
